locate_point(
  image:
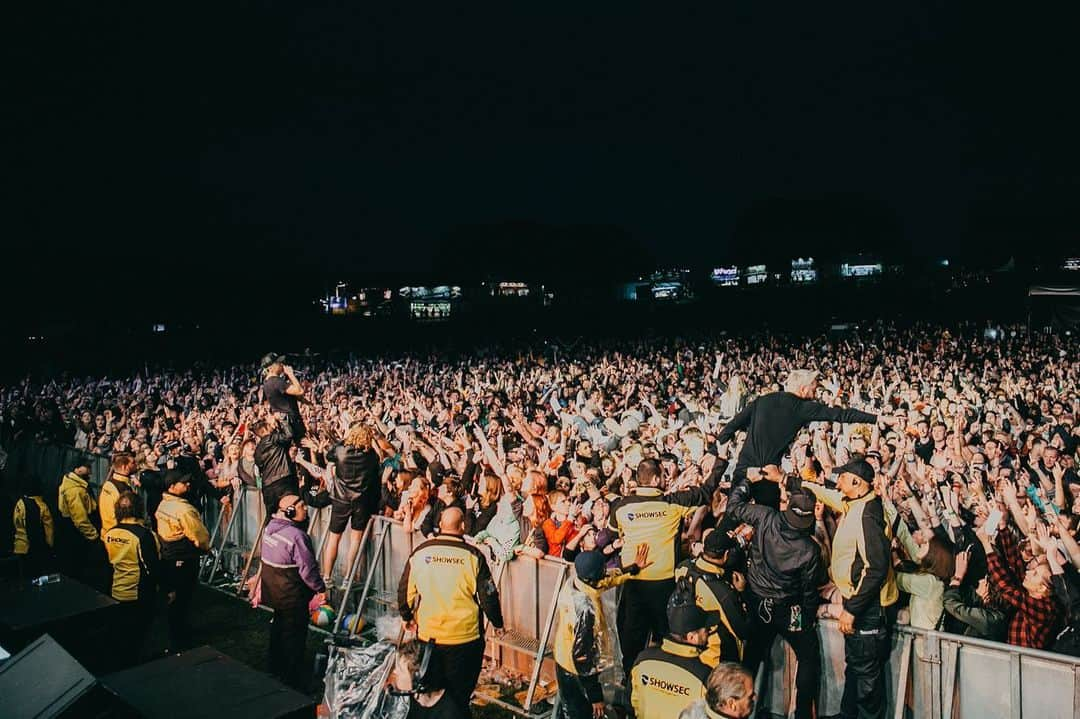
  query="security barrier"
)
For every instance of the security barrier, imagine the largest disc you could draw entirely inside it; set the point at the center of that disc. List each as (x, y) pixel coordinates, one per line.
(50, 462)
(940, 676)
(934, 675)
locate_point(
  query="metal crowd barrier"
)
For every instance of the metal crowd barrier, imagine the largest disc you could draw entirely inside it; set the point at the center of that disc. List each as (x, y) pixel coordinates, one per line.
(934, 675)
(50, 462)
(940, 676)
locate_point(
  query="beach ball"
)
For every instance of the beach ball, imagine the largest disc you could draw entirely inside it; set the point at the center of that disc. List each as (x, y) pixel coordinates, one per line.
(323, 616)
(352, 623)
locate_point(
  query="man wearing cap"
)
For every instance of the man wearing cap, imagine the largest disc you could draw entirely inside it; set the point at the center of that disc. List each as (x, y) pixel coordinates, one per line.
(783, 577)
(772, 421)
(281, 391)
(665, 679)
(581, 633)
(717, 591)
(862, 571)
(184, 538)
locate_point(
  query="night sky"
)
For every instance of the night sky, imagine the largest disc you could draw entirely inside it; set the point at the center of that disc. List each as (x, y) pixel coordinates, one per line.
(223, 150)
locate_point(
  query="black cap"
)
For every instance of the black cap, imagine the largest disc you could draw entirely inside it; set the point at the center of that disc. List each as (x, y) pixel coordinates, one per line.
(176, 476)
(800, 509)
(270, 359)
(859, 468)
(717, 542)
(686, 618)
(589, 566)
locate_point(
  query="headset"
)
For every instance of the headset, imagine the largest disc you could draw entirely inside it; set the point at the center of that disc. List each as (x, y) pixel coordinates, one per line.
(290, 511)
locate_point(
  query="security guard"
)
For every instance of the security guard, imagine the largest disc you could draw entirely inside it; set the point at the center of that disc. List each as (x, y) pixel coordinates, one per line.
(123, 465)
(33, 524)
(184, 539)
(861, 569)
(783, 577)
(445, 586)
(667, 678)
(581, 632)
(77, 526)
(648, 516)
(717, 592)
(291, 584)
(135, 555)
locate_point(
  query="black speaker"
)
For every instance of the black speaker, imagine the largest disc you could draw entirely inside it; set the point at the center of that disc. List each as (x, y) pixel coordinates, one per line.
(203, 683)
(45, 681)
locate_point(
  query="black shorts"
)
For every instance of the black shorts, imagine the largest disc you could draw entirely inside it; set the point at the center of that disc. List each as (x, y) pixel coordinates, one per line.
(354, 513)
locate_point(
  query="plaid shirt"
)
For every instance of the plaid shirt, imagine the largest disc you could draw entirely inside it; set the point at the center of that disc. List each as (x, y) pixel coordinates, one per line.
(1034, 620)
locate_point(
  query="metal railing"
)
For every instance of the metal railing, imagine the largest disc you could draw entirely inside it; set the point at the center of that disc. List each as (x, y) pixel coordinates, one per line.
(931, 674)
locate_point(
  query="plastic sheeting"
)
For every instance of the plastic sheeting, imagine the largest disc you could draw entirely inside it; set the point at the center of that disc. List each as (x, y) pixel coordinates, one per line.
(355, 678)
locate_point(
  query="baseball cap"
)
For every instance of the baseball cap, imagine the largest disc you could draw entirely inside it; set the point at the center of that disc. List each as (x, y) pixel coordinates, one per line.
(686, 618)
(858, 467)
(717, 542)
(589, 566)
(176, 476)
(269, 359)
(800, 509)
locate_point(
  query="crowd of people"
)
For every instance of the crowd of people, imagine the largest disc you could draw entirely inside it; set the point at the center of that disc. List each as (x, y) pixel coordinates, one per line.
(735, 489)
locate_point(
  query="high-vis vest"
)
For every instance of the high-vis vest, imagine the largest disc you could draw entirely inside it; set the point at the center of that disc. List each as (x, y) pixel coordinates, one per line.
(666, 679)
(134, 555)
(708, 581)
(33, 526)
(183, 534)
(445, 584)
(646, 517)
(110, 492)
(77, 505)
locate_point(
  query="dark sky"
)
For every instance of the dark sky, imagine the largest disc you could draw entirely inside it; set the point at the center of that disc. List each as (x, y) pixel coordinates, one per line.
(265, 142)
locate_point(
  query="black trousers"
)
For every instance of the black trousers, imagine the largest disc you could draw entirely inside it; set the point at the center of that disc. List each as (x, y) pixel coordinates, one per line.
(180, 576)
(288, 636)
(460, 666)
(865, 654)
(805, 643)
(574, 700)
(133, 621)
(643, 609)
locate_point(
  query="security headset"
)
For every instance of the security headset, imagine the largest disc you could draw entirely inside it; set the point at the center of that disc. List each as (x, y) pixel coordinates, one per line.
(290, 511)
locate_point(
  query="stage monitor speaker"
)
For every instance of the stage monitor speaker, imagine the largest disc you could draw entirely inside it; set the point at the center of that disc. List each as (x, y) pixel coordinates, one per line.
(45, 681)
(204, 683)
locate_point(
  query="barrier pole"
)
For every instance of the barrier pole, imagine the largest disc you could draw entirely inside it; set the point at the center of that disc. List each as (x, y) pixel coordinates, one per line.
(543, 638)
(352, 572)
(237, 509)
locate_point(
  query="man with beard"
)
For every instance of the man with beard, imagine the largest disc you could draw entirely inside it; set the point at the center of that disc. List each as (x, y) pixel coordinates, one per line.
(291, 585)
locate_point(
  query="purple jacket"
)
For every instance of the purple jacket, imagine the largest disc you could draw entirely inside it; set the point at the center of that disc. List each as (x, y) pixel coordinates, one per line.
(290, 570)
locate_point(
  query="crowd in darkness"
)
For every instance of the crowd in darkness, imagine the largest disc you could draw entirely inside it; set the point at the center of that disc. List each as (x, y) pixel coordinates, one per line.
(534, 448)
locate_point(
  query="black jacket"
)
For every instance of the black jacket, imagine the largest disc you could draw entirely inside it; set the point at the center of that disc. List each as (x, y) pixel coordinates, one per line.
(357, 473)
(272, 455)
(771, 422)
(785, 563)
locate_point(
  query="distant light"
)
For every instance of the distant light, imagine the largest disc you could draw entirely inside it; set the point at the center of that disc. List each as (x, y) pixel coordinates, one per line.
(944, 263)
